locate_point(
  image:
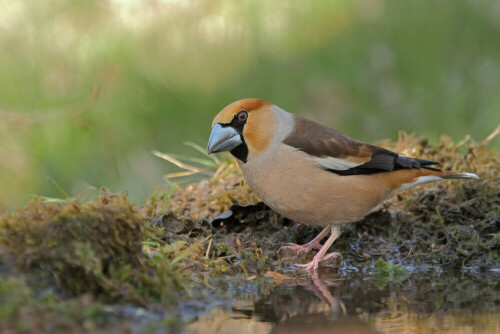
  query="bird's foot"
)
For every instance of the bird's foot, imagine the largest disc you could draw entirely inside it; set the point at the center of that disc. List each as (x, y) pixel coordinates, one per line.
(314, 264)
(303, 248)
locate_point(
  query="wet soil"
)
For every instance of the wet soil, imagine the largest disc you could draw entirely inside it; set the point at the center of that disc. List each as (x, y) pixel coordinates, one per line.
(209, 258)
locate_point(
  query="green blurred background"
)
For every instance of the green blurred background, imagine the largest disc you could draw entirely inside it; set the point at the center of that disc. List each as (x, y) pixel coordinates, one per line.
(89, 87)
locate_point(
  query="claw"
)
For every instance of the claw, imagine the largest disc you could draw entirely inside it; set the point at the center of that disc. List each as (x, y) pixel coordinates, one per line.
(313, 244)
(303, 248)
(311, 266)
(314, 264)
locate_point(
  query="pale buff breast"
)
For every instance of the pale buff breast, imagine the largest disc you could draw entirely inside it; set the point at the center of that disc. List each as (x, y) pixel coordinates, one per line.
(292, 184)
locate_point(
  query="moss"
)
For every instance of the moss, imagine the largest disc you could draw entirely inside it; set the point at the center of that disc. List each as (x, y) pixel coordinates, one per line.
(386, 272)
(173, 250)
(23, 311)
(91, 248)
(78, 244)
(457, 222)
(13, 295)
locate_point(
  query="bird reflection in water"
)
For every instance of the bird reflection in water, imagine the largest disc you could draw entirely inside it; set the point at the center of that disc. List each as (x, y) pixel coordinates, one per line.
(307, 306)
(445, 302)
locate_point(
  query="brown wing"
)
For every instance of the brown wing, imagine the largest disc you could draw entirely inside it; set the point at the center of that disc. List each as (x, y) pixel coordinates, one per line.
(343, 155)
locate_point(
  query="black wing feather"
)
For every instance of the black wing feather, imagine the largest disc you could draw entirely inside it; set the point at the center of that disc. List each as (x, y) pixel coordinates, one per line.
(385, 161)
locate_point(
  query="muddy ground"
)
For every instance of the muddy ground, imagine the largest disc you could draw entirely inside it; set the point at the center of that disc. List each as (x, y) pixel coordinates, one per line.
(72, 266)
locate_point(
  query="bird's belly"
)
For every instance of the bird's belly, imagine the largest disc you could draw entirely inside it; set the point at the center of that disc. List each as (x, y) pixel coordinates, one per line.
(303, 192)
(295, 206)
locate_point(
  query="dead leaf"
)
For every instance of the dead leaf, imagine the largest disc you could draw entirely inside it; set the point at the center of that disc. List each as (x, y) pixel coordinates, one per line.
(277, 277)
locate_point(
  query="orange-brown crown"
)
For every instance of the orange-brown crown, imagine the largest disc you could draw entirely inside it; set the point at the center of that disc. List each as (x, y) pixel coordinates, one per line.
(249, 105)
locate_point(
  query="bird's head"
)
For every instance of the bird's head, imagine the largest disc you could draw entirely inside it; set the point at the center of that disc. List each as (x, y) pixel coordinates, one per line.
(244, 128)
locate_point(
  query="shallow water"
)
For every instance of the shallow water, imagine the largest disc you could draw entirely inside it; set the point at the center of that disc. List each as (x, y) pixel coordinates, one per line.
(429, 300)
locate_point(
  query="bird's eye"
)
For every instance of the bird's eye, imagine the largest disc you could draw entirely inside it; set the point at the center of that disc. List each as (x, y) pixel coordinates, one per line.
(242, 116)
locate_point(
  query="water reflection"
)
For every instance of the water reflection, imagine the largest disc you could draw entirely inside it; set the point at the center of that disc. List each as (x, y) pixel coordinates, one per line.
(322, 323)
(349, 302)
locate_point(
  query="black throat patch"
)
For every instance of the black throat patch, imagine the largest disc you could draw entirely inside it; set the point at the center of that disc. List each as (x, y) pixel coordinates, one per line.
(241, 151)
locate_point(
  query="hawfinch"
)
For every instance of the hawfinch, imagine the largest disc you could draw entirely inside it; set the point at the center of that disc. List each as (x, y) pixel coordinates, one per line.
(311, 173)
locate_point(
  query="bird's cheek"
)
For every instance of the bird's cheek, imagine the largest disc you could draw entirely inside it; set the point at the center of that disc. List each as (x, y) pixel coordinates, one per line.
(256, 137)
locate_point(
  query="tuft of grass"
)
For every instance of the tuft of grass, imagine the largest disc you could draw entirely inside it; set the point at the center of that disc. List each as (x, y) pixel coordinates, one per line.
(82, 196)
(191, 165)
(205, 198)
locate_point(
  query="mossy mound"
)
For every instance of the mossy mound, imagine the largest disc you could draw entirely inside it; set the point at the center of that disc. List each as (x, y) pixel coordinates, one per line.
(91, 248)
(62, 264)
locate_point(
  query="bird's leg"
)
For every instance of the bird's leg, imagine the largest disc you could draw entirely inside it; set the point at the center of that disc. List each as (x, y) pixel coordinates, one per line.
(313, 244)
(313, 265)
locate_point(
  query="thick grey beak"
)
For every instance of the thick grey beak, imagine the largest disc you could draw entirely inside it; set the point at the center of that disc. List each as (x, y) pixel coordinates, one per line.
(223, 139)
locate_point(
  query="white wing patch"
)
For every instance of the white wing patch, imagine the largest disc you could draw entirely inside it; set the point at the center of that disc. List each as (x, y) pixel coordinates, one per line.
(469, 175)
(336, 163)
(420, 180)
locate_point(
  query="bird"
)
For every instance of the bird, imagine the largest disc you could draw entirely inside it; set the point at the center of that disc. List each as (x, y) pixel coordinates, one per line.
(311, 173)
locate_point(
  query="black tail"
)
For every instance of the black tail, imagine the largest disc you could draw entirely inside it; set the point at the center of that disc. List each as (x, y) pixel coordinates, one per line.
(405, 162)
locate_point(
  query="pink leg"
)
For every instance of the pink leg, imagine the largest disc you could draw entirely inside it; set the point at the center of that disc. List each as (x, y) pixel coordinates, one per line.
(313, 265)
(313, 244)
